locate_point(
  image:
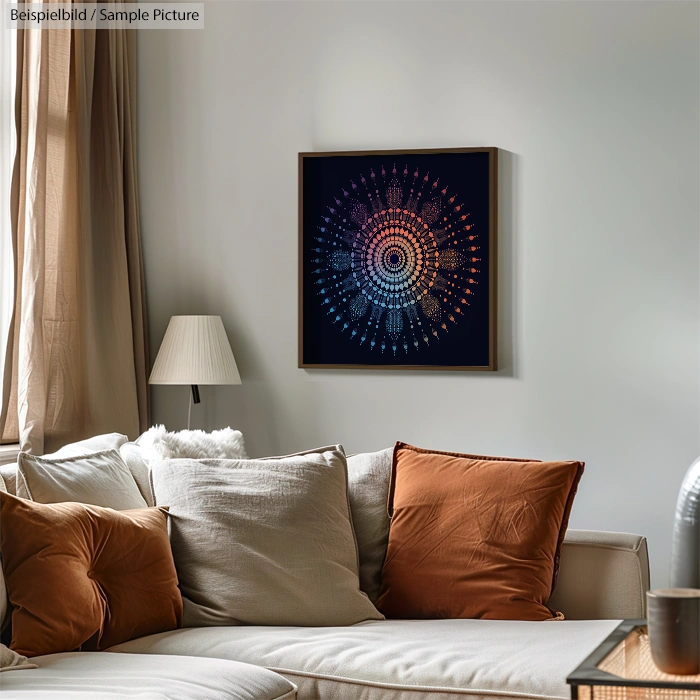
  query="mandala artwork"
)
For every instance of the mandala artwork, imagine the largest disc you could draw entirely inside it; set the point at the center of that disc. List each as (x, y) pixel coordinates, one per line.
(395, 262)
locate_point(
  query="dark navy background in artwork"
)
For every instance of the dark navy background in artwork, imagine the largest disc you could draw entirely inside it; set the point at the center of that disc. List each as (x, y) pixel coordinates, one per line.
(395, 267)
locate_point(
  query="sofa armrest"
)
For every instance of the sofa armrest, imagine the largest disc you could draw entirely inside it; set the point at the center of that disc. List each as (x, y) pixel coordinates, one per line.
(602, 575)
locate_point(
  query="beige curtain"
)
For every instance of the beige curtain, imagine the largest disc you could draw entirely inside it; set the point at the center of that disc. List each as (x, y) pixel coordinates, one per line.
(77, 354)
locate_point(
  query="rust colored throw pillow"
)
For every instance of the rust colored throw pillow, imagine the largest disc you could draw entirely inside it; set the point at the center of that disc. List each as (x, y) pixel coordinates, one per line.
(474, 537)
(83, 577)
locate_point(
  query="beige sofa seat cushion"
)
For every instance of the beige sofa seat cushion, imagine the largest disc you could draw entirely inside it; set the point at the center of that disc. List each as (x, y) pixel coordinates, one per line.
(98, 676)
(263, 541)
(403, 659)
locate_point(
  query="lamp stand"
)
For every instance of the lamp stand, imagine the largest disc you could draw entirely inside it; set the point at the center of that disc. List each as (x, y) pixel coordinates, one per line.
(192, 397)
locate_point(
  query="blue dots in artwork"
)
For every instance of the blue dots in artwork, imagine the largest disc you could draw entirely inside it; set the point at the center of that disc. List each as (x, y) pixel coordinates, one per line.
(405, 257)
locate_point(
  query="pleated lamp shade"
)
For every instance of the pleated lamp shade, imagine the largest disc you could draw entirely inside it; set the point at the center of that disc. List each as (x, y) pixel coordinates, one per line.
(195, 350)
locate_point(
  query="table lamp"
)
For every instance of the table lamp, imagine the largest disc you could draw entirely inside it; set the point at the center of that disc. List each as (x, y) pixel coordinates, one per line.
(194, 351)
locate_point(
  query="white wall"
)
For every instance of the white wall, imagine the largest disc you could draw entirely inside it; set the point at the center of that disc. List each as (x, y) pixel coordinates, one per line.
(596, 108)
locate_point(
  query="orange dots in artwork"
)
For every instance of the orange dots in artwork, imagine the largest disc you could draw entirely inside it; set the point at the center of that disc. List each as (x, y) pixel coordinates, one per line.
(409, 254)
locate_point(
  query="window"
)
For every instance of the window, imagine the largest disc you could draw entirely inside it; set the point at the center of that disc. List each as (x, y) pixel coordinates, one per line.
(8, 56)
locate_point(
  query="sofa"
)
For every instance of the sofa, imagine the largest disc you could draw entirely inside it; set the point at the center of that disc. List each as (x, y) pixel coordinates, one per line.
(603, 578)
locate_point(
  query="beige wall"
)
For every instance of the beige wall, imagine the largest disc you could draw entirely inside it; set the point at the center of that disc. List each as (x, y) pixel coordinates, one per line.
(596, 107)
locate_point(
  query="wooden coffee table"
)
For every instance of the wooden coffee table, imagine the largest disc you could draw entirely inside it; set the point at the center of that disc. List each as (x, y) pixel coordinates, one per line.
(621, 668)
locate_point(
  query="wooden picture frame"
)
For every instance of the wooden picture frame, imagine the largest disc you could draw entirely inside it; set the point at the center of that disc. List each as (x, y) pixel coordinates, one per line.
(398, 259)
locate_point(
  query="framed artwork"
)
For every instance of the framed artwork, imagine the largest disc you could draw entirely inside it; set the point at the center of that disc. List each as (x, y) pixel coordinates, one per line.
(397, 259)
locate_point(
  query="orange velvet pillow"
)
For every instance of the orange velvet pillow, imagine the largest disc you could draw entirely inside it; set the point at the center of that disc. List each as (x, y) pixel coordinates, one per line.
(474, 537)
(85, 577)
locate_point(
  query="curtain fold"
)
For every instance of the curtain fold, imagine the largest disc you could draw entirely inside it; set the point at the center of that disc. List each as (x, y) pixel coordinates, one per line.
(77, 353)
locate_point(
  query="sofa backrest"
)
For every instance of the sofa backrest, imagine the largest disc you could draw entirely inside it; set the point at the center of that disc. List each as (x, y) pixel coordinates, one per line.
(602, 575)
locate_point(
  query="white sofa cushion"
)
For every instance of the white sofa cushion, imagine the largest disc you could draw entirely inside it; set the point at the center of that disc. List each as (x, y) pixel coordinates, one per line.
(263, 541)
(368, 489)
(402, 659)
(98, 443)
(98, 479)
(99, 676)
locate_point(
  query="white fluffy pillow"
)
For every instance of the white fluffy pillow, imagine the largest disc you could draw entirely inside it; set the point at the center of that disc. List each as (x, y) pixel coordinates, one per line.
(157, 443)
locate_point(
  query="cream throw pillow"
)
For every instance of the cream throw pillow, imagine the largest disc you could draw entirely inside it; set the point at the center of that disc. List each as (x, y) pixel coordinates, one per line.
(130, 452)
(264, 541)
(369, 474)
(97, 443)
(12, 661)
(99, 479)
